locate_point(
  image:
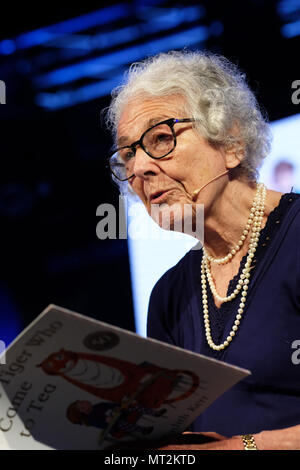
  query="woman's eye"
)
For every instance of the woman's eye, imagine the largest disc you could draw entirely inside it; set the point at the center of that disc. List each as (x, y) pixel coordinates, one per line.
(161, 138)
(127, 155)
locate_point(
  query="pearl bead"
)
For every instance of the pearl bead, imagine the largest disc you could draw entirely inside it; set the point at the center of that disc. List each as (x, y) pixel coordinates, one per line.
(254, 223)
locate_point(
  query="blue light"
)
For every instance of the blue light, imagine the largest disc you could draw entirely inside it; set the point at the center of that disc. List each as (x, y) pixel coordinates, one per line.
(113, 38)
(171, 16)
(287, 7)
(71, 41)
(289, 10)
(73, 25)
(7, 46)
(64, 99)
(108, 62)
(75, 72)
(76, 46)
(53, 101)
(291, 29)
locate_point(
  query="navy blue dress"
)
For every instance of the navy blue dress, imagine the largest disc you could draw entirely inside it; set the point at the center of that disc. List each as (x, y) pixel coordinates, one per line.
(270, 397)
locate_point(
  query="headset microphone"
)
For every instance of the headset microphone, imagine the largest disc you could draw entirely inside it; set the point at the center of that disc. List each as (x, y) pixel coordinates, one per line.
(197, 191)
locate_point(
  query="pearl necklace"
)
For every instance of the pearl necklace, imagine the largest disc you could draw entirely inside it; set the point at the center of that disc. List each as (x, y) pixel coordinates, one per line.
(240, 243)
(256, 225)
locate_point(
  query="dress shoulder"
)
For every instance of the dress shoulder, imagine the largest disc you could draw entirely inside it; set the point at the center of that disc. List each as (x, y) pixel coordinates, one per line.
(174, 275)
(166, 293)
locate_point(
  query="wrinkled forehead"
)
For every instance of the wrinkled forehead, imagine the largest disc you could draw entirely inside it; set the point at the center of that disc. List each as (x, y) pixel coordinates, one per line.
(140, 114)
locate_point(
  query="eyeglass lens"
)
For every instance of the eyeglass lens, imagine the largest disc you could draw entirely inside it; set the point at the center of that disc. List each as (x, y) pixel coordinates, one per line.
(157, 142)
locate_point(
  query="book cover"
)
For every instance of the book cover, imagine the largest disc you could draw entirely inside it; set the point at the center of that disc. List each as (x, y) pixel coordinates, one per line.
(71, 382)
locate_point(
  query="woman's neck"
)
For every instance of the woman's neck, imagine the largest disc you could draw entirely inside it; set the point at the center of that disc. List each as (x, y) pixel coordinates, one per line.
(227, 217)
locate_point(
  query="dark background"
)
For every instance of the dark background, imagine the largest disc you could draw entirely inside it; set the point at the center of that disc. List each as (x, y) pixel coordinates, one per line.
(53, 174)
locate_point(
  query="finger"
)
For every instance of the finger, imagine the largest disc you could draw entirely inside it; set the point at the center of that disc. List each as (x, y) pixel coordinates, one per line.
(212, 435)
(215, 435)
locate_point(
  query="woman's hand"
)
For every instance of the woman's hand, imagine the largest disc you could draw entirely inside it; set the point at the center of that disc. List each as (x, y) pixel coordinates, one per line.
(281, 439)
(184, 441)
(203, 441)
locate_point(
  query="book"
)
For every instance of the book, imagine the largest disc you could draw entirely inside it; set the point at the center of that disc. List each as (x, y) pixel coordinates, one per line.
(72, 382)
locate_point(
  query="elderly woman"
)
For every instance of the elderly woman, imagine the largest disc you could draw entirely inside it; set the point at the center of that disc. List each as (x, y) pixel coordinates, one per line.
(188, 130)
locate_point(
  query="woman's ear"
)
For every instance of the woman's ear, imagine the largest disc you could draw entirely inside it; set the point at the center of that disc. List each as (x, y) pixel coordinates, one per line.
(233, 159)
(234, 153)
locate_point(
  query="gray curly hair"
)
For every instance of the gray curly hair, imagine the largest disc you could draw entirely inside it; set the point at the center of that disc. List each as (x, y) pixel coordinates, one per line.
(216, 94)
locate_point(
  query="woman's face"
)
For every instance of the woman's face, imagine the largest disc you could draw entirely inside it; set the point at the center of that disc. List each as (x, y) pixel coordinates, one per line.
(172, 179)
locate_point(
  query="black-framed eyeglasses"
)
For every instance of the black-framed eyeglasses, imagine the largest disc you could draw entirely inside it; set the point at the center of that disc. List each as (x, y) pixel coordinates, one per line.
(157, 141)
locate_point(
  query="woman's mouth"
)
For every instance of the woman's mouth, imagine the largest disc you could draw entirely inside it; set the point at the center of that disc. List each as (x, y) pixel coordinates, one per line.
(158, 197)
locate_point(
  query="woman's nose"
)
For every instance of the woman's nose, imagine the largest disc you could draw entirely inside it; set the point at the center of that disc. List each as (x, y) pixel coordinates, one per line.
(144, 165)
